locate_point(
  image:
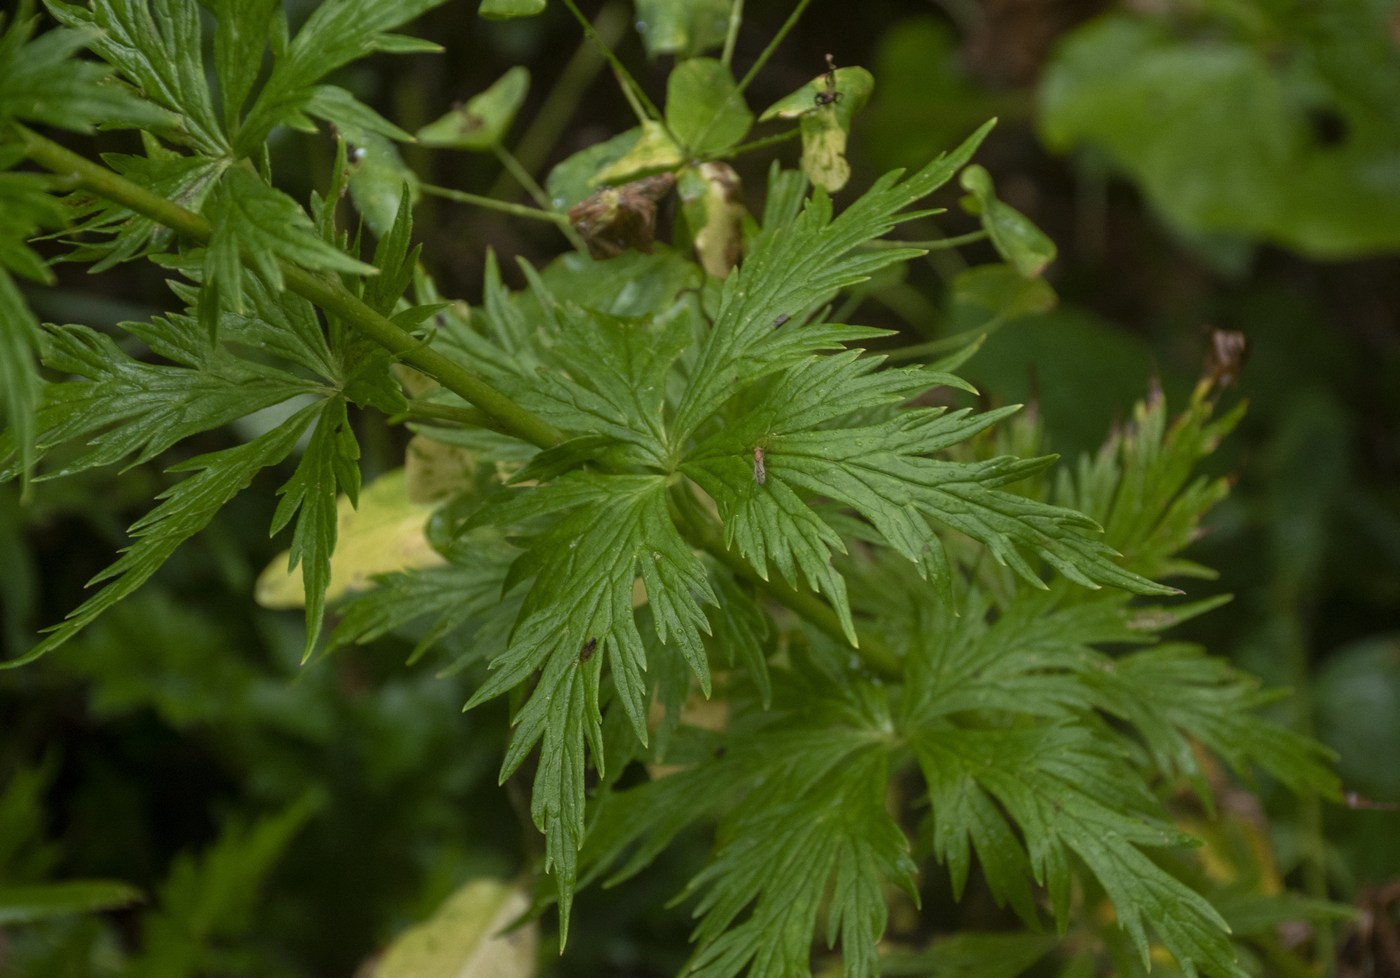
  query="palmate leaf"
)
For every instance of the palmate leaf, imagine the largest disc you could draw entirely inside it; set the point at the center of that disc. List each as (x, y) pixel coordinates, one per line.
(1068, 794)
(41, 81)
(184, 180)
(883, 471)
(1177, 696)
(129, 409)
(797, 267)
(604, 532)
(25, 207)
(783, 856)
(615, 384)
(337, 32)
(257, 223)
(799, 791)
(157, 45)
(456, 596)
(243, 30)
(327, 467)
(1143, 486)
(187, 508)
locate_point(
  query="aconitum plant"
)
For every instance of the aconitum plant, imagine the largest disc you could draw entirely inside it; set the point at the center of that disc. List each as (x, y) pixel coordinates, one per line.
(734, 571)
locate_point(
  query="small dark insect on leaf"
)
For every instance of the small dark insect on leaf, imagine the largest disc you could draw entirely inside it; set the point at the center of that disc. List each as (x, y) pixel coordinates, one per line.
(760, 472)
(831, 96)
(588, 649)
(782, 318)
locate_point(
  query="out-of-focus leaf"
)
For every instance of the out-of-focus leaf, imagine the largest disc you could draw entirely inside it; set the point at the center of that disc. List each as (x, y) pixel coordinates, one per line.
(1001, 294)
(971, 955)
(211, 897)
(704, 108)
(482, 122)
(926, 99)
(467, 937)
(1017, 240)
(435, 470)
(1075, 366)
(682, 27)
(1218, 131)
(1357, 693)
(507, 9)
(377, 178)
(26, 904)
(19, 372)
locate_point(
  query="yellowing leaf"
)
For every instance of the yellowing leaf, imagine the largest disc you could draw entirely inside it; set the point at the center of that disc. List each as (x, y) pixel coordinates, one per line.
(464, 938)
(825, 107)
(711, 199)
(435, 470)
(824, 151)
(384, 534)
(653, 152)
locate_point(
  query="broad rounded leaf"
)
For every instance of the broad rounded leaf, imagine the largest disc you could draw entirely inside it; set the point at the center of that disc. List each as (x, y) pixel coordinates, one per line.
(704, 108)
(685, 27)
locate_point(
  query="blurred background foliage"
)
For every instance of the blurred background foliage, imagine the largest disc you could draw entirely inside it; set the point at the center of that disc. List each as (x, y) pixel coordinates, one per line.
(1200, 163)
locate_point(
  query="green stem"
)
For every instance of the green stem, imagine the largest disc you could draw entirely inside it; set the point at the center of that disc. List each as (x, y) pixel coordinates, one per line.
(783, 32)
(491, 203)
(522, 177)
(731, 37)
(419, 410)
(628, 82)
(536, 192)
(328, 294)
(564, 97)
(763, 143)
(934, 244)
